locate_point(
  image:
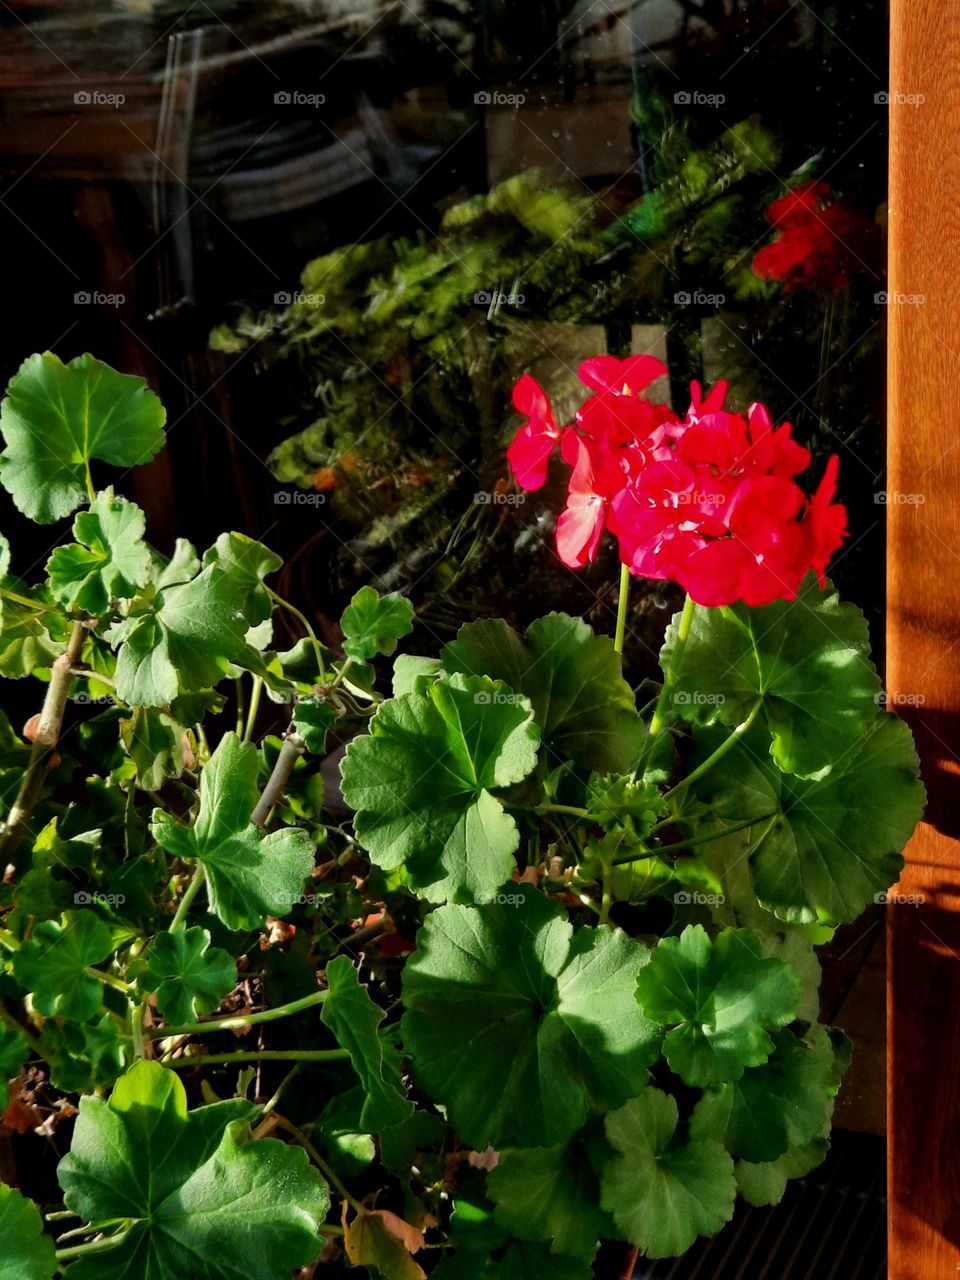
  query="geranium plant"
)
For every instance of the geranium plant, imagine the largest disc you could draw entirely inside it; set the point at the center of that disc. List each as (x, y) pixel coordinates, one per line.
(539, 970)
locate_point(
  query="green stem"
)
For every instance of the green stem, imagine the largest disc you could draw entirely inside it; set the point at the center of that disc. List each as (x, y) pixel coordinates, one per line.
(670, 677)
(572, 809)
(27, 603)
(238, 688)
(606, 901)
(261, 1055)
(721, 751)
(338, 678)
(91, 491)
(660, 850)
(254, 707)
(295, 612)
(190, 893)
(622, 608)
(95, 1246)
(136, 1027)
(239, 1020)
(118, 984)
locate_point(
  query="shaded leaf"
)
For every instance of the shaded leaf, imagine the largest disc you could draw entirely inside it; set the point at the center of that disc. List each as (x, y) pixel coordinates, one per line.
(249, 875)
(663, 1195)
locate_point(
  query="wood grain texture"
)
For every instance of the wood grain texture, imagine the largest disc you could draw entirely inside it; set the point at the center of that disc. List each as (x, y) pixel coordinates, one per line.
(923, 632)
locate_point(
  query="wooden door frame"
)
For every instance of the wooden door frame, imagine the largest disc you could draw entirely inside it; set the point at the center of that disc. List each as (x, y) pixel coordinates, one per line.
(923, 633)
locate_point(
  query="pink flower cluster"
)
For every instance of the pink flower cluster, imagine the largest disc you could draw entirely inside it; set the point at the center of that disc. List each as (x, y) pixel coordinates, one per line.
(708, 501)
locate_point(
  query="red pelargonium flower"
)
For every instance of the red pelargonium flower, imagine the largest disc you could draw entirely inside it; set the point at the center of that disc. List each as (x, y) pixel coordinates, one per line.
(821, 243)
(710, 502)
(529, 455)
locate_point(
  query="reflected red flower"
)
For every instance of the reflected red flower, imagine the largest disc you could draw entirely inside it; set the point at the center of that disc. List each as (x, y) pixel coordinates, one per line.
(821, 243)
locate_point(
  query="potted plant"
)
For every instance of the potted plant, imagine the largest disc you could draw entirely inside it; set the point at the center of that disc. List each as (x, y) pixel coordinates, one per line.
(540, 971)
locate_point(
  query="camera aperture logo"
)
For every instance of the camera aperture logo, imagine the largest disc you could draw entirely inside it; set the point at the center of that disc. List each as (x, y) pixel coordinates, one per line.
(299, 498)
(495, 98)
(98, 98)
(494, 300)
(287, 299)
(94, 298)
(497, 698)
(297, 98)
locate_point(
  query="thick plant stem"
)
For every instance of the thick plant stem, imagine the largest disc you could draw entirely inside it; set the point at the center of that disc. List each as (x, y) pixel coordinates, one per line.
(239, 1020)
(260, 1055)
(291, 751)
(44, 744)
(95, 1246)
(661, 710)
(721, 751)
(622, 608)
(189, 894)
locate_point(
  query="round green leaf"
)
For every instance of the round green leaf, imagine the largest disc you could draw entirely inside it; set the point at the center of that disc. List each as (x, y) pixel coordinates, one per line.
(202, 1199)
(584, 707)
(27, 1253)
(373, 624)
(57, 417)
(833, 843)
(549, 1194)
(189, 976)
(785, 1103)
(807, 661)
(517, 1025)
(663, 1195)
(422, 780)
(51, 965)
(109, 560)
(764, 1184)
(721, 997)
